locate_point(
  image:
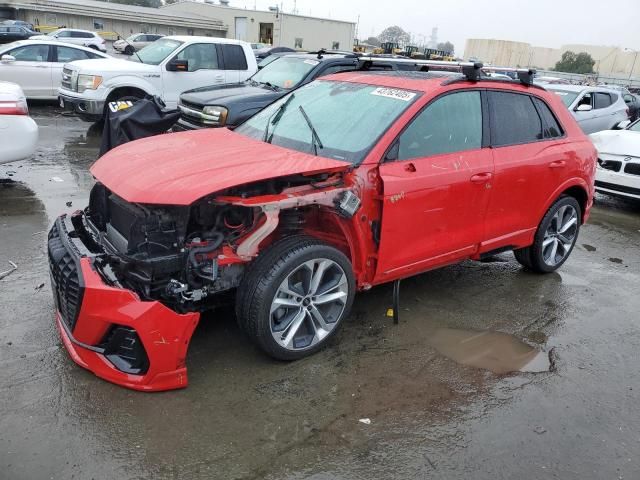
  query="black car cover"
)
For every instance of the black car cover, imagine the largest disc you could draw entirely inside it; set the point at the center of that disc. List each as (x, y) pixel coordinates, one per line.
(134, 118)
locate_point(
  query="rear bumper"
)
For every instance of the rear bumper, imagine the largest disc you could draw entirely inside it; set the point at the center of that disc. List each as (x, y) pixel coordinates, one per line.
(89, 311)
(18, 137)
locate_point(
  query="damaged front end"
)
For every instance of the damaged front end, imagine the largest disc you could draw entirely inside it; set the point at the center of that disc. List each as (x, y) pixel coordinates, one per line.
(131, 279)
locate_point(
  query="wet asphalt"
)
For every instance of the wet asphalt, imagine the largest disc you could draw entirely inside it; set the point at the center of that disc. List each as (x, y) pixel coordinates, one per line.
(434, 405)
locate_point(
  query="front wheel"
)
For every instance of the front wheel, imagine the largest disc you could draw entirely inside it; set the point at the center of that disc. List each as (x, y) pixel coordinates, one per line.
(128, 50)
(555, 238)
(295, 296)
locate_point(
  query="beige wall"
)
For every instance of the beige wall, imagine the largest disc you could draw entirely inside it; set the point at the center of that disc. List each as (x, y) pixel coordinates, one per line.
(609, 60)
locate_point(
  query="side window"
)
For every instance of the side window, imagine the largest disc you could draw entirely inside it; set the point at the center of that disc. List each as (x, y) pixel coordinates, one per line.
(585, 100)
(552, 128)
(601, 100)
(65, 34)
(514, 119)
(452, 123)
(15, 30)
(68, 54)
(201, 56)
(337, 68)
(31, 53)
(234, 58)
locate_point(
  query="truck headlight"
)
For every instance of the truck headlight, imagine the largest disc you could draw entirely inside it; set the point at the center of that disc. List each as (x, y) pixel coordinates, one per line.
(88, 82)
(215, 114)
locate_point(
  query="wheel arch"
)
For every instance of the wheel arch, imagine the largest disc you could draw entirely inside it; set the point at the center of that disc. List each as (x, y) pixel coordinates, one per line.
(576, 188)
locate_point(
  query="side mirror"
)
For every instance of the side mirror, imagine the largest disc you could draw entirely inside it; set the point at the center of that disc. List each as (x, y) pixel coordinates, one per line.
(7, 59)
(622, 125)
(176, 65)
(584, 108)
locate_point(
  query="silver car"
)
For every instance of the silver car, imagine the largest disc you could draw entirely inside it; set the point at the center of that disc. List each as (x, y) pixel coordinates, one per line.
(135, 42)
(595, 108)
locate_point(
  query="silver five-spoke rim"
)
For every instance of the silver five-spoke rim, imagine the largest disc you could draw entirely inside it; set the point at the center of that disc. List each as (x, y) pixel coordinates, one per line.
(308, 304)
(560, 235)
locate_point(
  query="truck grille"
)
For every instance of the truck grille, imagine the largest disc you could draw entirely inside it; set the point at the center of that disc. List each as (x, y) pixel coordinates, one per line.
(69, 80)
(66, 284)
(192, 117)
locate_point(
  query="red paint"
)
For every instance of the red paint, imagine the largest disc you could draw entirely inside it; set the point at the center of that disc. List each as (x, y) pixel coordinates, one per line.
(430, 215)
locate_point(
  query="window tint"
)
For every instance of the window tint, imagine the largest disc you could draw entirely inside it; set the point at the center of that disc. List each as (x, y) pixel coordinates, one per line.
(234, 58)
(68, 54)
(31, 53)
(452, 123)
(15, 29)
(4, 29)
(514, 119)
(201, 56)
(601, 100)
(552, 128)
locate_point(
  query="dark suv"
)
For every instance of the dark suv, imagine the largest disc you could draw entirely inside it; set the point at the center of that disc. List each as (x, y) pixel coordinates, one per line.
(12, 33)
(230, 105)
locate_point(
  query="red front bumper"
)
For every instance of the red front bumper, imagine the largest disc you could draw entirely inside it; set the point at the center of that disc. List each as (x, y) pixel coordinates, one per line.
(90, 311)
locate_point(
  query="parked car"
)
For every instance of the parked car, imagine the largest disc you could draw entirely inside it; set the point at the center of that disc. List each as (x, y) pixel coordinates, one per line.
(135, 42)
(217, 106)
(84, 38)
(319, 195)
(633, 104)
(18, 131)
(36, 65)
(12, 33)
(19, 23)
(262, 53)
(595, 108)
(618, 171)
(165, 68)
(257, 46)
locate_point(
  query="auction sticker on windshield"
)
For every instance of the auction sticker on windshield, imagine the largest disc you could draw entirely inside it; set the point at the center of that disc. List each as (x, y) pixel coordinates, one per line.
(394, 93)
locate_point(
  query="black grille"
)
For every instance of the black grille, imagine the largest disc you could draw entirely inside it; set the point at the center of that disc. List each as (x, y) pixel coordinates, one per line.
(632, 168)
(612, 165)
(66, 284)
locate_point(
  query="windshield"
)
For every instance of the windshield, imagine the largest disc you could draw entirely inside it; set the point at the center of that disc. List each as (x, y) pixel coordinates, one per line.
(340, 120)
(156, 52)
(286, 72)
(566, 96)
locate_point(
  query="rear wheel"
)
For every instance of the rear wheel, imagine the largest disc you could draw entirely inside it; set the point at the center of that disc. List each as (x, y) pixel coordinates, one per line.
(295, 296)
(128, 50)
(555, 238)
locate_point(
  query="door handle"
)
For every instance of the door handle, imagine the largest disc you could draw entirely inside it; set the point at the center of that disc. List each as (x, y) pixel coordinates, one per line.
(481, 177)
(557, 164)
(410, 167)
(42, 66)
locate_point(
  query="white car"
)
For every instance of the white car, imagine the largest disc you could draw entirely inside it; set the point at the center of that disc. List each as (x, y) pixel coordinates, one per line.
(618, 171)
(166, 68)
(36, 65)
(85, 38)
(135, 42)
(18, 131)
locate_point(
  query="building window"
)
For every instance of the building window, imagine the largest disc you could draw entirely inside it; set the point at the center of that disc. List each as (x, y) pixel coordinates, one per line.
(171, 31)
(98, 24)
(189, 31)
(335, 46)
(298, 43)
(51, 19)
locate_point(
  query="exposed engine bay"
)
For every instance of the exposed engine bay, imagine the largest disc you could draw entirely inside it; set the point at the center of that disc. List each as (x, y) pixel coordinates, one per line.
(183, 255)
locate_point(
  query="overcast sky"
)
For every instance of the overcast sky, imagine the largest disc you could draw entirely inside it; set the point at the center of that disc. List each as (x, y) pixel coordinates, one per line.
(544, 23)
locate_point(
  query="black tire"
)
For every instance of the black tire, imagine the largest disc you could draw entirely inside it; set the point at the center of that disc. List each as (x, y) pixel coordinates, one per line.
(128, 50)
(94, 47)
(532, 257)
(263, 279)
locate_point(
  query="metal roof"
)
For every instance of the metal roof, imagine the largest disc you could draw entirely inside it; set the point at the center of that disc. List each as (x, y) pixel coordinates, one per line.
(117, 11)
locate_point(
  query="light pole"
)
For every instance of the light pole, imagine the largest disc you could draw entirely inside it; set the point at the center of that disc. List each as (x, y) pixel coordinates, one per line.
(633, 65)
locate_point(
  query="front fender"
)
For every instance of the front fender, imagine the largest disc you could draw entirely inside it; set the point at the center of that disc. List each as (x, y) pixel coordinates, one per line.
(131, 81)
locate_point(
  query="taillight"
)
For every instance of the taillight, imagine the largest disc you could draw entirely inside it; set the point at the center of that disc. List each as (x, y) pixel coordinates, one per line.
(14, 107)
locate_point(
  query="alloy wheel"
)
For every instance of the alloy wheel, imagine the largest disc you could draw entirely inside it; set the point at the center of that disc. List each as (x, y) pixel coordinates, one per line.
(560, 235)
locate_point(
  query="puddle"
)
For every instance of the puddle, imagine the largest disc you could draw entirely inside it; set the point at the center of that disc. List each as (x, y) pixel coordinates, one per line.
(494, 351)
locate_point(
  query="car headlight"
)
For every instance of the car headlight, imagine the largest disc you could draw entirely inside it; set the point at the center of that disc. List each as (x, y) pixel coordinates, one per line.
(88, 82)
(215, 114)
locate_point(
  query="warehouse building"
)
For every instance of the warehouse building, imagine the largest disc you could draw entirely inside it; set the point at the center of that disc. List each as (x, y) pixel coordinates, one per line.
(611, 61)
(185, 18)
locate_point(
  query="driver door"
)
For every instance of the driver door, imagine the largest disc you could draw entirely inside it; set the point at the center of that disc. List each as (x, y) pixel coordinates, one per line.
(436, 188)
(203, 69)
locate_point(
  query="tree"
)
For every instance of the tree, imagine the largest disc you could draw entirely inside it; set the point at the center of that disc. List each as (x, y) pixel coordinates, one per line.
(373, 41)
(572, 63)
(394, 34)
(446, 46)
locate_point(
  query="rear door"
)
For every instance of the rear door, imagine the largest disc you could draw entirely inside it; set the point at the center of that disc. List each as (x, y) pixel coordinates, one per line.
(204, 69)
(31, 70)
(436, 187)
(531, 159)
(234, 62)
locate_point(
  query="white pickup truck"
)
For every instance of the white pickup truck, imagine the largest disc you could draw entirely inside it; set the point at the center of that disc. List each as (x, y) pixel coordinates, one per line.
(165, 68)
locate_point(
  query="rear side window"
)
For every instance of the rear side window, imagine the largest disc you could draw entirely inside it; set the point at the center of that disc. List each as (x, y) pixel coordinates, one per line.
(452, 123)
(68, 54)
(234, 58)
(514, 119)
(601, 100)
(552, 128)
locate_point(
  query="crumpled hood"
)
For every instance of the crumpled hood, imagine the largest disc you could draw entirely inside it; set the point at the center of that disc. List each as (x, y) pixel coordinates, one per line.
(180, 168)
(617, 142)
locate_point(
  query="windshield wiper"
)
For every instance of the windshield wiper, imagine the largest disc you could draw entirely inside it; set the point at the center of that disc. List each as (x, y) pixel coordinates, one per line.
(275, 118)
(271, 86)
(315, 139)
